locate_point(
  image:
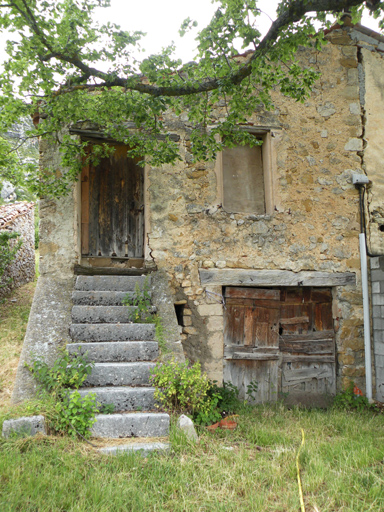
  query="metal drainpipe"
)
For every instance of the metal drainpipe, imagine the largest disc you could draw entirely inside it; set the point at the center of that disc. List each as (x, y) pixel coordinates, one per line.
(367, 325)
(360, 185)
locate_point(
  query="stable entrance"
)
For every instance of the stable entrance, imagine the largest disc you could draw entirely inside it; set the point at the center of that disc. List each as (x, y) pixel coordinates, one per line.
(283, 339)
(112, 209)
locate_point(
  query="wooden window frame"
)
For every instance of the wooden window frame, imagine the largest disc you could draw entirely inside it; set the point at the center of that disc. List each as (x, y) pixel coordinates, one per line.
(268, 171)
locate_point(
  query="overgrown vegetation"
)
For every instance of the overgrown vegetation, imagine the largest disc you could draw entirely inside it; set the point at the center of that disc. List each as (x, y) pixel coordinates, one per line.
(140, 302)
(73, 414)
(352, 398)
(14, 312)
(184, 388)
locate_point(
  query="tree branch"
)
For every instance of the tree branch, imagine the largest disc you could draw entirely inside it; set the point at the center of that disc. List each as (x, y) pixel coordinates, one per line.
(293, 12)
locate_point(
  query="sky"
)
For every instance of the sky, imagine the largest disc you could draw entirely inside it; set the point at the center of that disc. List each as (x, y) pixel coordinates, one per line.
(161, 19)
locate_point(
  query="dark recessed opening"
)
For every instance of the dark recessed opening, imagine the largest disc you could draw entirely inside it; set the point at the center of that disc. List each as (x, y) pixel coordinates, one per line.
(381, 228)
(280, 331)
(179, 310)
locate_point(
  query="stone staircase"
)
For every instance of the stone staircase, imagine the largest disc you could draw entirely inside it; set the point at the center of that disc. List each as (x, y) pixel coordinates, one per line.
(123, 353)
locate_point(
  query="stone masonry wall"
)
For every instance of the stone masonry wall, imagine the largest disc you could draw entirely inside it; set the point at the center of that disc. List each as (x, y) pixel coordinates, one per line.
(59, 224)
(316, 145)
(313, 215)
(19, 217)
(377, 277)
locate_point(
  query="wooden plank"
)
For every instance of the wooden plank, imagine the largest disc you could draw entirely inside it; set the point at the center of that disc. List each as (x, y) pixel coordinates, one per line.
(294, 320)
(229, 349)
(308, 359)
(311, 336)
(270, 304)
(323, 316)
(241, 373)
(253, 357)
(308, 347)
(252, 293)
(321, 295)
(307, 374)
(81, 270)
(273, 278)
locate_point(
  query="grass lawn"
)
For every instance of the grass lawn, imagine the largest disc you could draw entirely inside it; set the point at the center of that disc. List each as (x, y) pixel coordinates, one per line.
(250, 469)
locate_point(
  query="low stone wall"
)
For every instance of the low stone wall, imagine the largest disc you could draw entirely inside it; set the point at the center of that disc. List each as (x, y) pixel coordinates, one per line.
(19, 217)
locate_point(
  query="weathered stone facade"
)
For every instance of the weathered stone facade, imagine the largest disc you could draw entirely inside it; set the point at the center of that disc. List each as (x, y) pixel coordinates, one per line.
(311, 219)
(19, 218)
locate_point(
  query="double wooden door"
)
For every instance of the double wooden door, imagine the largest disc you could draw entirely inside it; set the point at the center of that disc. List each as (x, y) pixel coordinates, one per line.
(112, 216)
(281, 338)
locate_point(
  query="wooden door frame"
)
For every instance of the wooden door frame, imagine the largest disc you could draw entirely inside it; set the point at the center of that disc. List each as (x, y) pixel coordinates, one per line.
(106, 262)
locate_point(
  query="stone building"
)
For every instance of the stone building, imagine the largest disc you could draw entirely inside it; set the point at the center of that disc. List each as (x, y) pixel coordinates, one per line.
(259, 251)
(19, 218)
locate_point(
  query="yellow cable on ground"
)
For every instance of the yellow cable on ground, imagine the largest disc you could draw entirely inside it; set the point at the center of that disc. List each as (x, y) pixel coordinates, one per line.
(298, 472)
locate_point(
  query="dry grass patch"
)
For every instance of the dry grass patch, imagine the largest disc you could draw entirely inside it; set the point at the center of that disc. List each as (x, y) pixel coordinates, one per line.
(14, 313)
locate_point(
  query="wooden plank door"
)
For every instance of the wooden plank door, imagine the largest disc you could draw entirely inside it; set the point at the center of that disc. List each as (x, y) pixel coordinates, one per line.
(307, 345)
(251, 340)
(113, 207)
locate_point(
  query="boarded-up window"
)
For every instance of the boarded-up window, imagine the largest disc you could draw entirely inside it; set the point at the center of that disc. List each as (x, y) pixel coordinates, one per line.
(243, 180)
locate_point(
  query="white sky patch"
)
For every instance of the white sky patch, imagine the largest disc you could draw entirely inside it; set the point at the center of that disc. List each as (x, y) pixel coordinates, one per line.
(161, 21)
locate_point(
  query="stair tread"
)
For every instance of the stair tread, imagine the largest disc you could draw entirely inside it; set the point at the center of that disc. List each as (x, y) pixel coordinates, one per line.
(142, 448)
(110, 283)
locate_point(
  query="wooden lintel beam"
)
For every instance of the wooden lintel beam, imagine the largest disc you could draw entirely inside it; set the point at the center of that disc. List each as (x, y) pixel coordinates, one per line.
(240, 277)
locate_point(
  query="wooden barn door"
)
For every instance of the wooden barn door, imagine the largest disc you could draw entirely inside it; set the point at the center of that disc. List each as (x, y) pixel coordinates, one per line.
(113, 207)
(307, 345)
(251, 340)
(283, 339)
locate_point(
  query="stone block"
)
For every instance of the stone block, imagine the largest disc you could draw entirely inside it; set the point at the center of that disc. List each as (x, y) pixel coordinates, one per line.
(124, 398)
(376, 287)
(354, 145)
(210, 310)
(112, 332)
(215, 323)
(378, 300)
(116, 351)
(375, 262)
(24, 427)
(143, 449)
(131, 425)
(110, 283)
(186, 425)
(377, 275)
(120, 374)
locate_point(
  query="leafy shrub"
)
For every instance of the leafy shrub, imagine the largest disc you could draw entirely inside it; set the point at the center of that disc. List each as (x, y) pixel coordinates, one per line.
(67, 372)
(228, 397)
(76, 414)
(183, 388)
(73, 414)
(348, 399)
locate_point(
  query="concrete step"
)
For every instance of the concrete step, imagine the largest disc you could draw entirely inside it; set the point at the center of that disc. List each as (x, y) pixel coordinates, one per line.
(116, 351)
(112, 332)
(110, 283)
(131, 425)
(105, 314)
(144, 449)
(124, 398)
(120, 374)
(96, 298)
